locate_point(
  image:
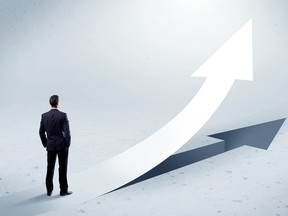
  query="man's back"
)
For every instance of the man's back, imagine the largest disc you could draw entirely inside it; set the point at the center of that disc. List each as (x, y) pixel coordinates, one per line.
(55, 124)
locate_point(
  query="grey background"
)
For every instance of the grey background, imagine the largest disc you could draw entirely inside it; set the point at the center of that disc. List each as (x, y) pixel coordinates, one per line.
(126, 57)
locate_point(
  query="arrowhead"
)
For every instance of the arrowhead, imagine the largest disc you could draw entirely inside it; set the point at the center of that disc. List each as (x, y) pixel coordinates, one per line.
(233, 60)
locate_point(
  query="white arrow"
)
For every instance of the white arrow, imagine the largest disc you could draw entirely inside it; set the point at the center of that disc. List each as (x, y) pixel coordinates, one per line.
(232, 61)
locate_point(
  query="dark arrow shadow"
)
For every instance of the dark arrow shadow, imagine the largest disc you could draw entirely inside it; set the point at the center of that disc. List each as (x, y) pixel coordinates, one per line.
(259, 136)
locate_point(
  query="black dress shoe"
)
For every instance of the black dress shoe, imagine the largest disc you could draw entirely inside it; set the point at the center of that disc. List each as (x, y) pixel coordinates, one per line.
(49, 193)
(66, 193)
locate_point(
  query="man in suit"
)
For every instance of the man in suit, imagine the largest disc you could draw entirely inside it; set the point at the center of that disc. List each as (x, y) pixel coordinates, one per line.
(55, 136)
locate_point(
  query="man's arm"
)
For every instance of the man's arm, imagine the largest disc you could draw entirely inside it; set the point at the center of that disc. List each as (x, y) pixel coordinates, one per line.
(43, 134)
(66, 131)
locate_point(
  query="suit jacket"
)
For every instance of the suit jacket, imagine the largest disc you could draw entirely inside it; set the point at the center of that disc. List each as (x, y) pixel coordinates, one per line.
(54, 130)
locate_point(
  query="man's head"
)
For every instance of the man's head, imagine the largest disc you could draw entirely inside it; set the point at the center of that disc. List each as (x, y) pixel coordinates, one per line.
(54, 100)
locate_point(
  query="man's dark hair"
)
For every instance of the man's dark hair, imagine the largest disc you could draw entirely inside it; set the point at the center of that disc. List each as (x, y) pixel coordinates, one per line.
(54, 100)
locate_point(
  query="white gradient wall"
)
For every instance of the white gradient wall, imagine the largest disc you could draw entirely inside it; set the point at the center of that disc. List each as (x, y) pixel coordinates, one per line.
(126, 55)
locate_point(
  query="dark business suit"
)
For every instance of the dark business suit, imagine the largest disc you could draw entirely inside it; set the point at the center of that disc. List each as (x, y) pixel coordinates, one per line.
(55, 136)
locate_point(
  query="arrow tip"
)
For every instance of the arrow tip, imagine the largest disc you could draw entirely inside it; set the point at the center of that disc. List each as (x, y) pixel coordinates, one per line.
(233, 60)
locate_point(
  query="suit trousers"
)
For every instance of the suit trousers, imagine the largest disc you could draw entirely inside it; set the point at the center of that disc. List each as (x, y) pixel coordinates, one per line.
(63, 162)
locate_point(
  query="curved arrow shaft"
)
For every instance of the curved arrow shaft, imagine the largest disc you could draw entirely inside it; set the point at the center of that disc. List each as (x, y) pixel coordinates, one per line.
(144, 156)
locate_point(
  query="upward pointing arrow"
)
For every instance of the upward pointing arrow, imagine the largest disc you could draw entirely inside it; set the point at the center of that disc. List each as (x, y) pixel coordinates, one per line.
(132, 163)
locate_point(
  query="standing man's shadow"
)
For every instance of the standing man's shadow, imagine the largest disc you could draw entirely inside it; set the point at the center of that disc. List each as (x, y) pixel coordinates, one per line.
(37, 199)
